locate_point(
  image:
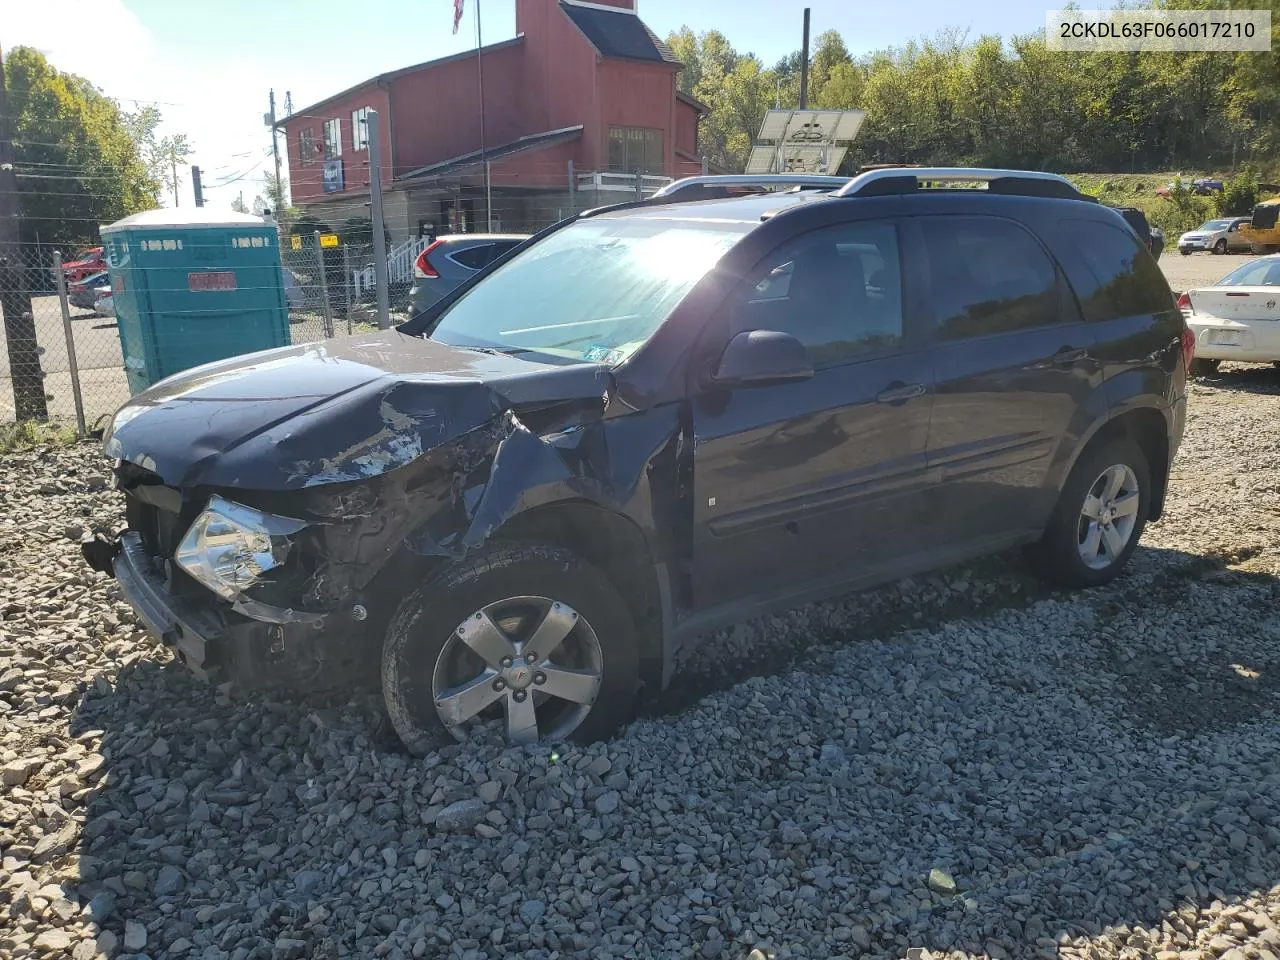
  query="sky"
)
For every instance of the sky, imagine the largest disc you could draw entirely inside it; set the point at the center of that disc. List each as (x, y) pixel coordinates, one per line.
(208, 67)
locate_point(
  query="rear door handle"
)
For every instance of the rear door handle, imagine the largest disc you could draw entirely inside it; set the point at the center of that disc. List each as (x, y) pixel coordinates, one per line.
(1066, 356)
(900, 392)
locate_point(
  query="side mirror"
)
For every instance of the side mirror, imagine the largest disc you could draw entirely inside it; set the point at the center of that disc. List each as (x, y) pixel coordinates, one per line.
(761, 357)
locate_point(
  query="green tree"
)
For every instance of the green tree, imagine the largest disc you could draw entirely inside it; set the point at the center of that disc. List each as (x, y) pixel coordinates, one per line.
(78, 162)
(170, 153)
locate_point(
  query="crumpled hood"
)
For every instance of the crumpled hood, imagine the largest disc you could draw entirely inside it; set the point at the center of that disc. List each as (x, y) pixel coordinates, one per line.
(331, 411)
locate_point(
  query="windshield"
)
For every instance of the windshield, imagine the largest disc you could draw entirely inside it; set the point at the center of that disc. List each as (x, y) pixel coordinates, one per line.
(1259, 273)
(1213, 225)
(594, 291)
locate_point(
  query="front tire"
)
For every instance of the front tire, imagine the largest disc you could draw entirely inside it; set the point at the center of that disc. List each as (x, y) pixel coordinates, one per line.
(460, 651)
(1204, 367)
(1184, 251)
(1099, 516)
(1220, 247)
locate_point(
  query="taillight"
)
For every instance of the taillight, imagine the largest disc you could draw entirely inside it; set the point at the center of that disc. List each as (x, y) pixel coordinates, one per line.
(422, 268)
(1184, 303)
(1188, 348)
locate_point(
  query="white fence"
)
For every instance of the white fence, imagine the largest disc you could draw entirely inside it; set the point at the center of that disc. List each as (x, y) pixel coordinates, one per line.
(399, 267)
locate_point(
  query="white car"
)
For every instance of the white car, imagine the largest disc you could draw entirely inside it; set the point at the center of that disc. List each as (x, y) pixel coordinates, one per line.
(1217, 236)
(104, 305)
(1238, 318)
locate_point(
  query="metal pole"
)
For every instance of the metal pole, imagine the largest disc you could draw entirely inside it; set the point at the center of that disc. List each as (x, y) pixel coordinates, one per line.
(804, 64)
(346, 281)
(488, 193)
(639, 186)
(72, 367)
(573, 190)
(15, 302)
(275, 146)
(704, 166)
(324, 288)
(375, 207)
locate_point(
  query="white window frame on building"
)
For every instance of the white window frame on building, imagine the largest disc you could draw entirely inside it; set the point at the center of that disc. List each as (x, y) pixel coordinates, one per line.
(332, 138)
(307, 145)
(630, 148)
(360, 129)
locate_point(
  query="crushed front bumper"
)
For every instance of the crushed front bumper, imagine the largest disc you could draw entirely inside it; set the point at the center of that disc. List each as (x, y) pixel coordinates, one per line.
(220, 646)
(197, 635)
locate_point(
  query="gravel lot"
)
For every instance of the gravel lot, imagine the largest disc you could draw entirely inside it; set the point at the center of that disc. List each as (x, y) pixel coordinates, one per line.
(964, 764)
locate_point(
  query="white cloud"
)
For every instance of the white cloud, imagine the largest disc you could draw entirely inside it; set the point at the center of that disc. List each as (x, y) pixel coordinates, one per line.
(219, 107)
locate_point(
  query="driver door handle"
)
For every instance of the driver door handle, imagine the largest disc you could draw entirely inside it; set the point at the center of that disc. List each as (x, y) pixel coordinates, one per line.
(1066, 357)
(900, 392)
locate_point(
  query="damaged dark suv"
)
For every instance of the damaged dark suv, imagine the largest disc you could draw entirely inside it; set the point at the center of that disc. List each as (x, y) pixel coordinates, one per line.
(650, 421)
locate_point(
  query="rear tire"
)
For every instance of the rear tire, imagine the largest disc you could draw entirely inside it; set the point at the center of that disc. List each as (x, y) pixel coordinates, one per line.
(1204, 367)
(423, 655)
(1060, 555)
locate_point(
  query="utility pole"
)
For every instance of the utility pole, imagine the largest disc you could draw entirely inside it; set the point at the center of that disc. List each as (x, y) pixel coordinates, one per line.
(488, 193)
(379, 232)
(15, 301)
(271, 122)
(173, 159)
(804, 64)
(197, 186)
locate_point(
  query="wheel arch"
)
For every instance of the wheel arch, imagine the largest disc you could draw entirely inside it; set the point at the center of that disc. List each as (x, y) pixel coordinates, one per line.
(616, 546)
(1148, 427)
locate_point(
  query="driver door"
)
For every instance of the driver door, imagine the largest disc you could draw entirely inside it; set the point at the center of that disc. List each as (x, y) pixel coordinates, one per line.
(805, 484)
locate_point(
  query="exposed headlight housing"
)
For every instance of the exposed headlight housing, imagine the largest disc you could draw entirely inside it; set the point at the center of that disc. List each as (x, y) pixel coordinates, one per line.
(230, 546)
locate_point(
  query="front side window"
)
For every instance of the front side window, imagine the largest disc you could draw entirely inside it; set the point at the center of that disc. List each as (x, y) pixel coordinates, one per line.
(987, 276)
(593, 291)
(1122, 280)
(332, 138)
(837, 290)
(635, 148)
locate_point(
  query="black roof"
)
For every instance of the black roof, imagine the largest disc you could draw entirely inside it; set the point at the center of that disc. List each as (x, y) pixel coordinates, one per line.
(620, 34)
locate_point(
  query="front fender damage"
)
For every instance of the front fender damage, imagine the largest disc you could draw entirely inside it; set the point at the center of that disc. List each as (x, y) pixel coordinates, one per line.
(452, 500)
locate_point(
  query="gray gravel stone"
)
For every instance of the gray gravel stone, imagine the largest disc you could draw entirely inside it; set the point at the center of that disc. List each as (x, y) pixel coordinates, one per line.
(1095, 769)
(460, 816)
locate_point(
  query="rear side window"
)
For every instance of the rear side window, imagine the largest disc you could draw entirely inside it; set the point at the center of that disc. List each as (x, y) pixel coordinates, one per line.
(988, 276)
(474, 257)
(1122, 280)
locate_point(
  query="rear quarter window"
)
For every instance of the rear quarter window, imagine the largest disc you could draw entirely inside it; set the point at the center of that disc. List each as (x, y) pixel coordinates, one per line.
(473, 257)
(1113, 275)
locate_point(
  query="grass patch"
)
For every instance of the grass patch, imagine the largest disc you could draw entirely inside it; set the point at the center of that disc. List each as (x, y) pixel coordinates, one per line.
(29, 434)
(1139, 190)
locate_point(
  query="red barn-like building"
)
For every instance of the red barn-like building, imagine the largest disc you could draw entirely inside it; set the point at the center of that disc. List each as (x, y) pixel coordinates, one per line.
(581, 102)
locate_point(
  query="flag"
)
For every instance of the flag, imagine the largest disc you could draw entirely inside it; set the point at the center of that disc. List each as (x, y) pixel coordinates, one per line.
(457, 14)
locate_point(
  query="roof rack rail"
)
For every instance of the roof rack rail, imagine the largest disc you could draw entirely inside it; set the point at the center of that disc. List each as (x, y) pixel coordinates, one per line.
(899, 180)
(717, 185)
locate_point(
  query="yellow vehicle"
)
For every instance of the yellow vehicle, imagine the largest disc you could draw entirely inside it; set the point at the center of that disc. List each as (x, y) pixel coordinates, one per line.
(1262, 231)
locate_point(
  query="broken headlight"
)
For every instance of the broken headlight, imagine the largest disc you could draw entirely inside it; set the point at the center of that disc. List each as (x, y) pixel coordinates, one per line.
(230, 546)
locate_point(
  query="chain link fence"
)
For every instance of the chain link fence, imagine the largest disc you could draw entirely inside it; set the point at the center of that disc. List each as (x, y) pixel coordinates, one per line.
(60, 349)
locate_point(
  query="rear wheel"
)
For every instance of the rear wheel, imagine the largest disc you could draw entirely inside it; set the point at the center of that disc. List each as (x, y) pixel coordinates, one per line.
(1204, 367)
(531, 639)
(1099, 516)
(1220, 247)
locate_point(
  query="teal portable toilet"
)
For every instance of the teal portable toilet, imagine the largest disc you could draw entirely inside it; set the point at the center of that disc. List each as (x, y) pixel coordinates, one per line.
(191, 286)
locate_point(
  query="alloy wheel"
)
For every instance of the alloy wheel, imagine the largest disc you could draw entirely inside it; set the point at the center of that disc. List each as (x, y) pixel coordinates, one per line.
(1108, 516)
(534, 662)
